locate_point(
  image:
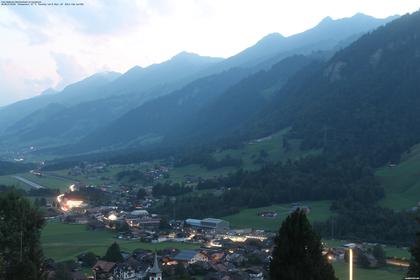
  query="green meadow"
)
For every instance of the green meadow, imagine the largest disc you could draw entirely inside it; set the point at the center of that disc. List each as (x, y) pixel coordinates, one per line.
(402, 182)
(66, 241)
(248, 218)
(387, 273)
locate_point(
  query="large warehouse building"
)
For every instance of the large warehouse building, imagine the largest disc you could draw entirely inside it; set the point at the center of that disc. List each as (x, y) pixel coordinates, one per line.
(209, 223)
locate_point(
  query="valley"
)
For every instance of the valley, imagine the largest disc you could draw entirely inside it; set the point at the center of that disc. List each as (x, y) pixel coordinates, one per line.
(298, 155)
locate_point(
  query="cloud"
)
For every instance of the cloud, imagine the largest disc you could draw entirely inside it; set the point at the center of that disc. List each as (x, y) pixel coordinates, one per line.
(95, 17)
(17, 83)
(68, 70)
(58, 45)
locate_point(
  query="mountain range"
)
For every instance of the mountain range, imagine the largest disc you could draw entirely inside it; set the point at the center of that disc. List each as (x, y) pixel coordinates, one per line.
(187, 98)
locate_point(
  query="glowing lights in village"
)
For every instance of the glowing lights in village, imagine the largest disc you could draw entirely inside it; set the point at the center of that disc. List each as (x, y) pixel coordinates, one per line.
(67, 204)
(112, 217)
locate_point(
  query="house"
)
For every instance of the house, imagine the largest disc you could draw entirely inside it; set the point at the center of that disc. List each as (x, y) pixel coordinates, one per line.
(190, 257)
(139, 213)
(267, 214)
(144, 223)
(255, 273)
(125, 271)
(130, 269)
(103, 270)
(296, 206)
(75, 275)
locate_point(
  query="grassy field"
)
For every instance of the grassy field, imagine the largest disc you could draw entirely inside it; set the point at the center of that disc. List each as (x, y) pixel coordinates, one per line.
(178, 174)
(388, 273)
(64, 241)
(402, 182)
(8, 180)
(248, 218)
(46, 181)
(272, 145)
(249, 153)
(390, 251)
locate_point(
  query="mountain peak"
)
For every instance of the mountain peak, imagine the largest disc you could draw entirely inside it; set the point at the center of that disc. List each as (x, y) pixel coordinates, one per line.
(184, 55)
(272, 37)
(326, 20)
(361, 15)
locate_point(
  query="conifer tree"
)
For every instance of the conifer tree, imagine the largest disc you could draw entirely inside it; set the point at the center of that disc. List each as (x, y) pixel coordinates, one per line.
(297, 253)
(113, 254)
(20, 229)
(414, 269)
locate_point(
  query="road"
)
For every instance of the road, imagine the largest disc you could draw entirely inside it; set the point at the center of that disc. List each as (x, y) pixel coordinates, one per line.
(30, 183)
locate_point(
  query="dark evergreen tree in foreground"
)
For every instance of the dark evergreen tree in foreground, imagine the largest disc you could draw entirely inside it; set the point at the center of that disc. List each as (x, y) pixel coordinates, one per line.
(297, 253)
(20, 228)
(414, 269)
(113, 254)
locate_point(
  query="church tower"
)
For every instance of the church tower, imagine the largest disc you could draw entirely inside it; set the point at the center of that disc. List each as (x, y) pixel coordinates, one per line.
(155, 272)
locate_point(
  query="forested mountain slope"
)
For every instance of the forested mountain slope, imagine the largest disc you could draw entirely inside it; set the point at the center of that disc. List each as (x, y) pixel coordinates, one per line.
(364, 101)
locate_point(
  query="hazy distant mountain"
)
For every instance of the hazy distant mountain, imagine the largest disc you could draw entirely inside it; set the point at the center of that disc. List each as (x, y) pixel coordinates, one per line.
(150, 122)
(95, 101)
(327, 35)
(74, 93)
(236, 105)
(159, 79)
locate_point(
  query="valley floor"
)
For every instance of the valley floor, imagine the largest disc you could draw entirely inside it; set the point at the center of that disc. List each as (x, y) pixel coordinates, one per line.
(66, 241)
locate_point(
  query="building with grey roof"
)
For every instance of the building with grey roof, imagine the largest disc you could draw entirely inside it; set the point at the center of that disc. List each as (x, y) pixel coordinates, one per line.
(209, 223)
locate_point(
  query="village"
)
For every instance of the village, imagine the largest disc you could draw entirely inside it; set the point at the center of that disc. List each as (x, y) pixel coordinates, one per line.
(222, 252)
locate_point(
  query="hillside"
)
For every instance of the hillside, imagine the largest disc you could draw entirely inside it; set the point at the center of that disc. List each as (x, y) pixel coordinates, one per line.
(239, 103)
(363, 102)
(402, 181)
(202, 108)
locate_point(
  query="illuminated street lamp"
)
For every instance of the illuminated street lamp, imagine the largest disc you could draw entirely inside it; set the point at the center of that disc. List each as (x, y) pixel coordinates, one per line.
(350, 246)
(350, 263)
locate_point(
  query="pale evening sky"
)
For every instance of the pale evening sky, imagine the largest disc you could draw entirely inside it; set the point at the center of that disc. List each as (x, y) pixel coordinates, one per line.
(52, 46)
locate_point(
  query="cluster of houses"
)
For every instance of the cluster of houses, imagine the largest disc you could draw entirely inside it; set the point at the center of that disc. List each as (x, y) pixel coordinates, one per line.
(88, 169)
(245, 262)
(98, 170)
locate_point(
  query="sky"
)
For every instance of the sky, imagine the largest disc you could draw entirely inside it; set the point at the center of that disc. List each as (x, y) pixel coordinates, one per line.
(52, 46)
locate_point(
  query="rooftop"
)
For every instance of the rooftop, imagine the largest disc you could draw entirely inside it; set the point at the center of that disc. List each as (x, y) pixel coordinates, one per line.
(104, 266)
(185, 255)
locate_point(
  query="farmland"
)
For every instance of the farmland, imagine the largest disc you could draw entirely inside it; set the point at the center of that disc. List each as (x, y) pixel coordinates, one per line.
(66, 241)
(387, 273)
(402, 181)
(248, 218)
